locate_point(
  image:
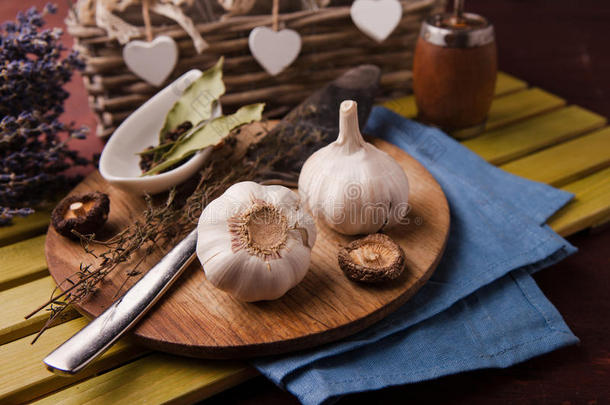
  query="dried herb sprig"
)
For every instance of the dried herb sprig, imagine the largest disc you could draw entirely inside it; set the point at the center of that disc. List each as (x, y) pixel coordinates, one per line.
(157, 223)
(275, 157)
(32, 75)
(165, 224)
(161, 225)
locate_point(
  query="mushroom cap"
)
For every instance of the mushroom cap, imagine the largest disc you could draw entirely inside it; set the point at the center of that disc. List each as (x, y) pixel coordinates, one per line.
(95, 209)
(372, 259)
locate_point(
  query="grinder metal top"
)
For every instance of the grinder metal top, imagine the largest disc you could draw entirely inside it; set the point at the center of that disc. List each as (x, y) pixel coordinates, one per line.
(453, 30)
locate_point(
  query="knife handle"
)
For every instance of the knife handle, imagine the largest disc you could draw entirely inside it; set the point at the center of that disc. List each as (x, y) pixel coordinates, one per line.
(101, 333)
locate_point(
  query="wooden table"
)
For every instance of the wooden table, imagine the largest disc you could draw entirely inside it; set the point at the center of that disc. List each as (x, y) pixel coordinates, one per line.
(529, 132)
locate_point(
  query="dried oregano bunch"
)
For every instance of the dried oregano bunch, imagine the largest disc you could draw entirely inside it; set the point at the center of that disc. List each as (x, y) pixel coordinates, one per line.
(33, 142)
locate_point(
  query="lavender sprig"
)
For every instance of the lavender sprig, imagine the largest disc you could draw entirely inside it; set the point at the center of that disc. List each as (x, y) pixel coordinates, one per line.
(33, 157)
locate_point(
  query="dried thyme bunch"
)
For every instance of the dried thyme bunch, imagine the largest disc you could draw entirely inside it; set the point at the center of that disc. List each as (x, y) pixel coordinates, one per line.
(33, 156)
(269, 157)
(163, 224)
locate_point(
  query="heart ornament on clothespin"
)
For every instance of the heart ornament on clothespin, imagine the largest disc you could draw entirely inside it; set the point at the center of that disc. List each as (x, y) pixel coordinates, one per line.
(274, 50)
(151, 60)
(376, 18)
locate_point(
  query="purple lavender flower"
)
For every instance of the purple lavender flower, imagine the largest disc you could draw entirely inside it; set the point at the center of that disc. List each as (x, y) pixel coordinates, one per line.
(32, 76)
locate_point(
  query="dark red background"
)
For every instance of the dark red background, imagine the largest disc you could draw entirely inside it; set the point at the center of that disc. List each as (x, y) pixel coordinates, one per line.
(561, 46)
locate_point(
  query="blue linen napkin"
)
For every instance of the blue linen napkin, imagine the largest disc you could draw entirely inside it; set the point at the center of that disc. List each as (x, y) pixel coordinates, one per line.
(481, 308)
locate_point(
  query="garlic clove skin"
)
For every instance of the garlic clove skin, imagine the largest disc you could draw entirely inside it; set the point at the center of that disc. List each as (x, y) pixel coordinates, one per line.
(351, 185)
(255, 242)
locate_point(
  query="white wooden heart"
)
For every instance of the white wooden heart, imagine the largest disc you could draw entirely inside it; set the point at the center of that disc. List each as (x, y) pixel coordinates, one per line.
(153, 61)
(376, 18)
(274, 50)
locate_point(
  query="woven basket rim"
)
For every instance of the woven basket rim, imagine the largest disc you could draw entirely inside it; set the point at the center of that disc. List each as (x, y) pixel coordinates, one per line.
(322, 14)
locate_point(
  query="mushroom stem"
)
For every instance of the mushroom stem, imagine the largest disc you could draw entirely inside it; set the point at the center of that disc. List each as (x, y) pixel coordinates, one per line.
(370, 256)
(374, 258)
(77, 208)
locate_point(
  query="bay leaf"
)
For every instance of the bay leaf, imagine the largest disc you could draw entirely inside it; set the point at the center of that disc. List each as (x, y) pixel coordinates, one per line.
(195, 104)
(211, 134)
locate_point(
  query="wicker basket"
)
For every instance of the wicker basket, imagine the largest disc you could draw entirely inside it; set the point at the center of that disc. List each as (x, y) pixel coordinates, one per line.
(331, 45)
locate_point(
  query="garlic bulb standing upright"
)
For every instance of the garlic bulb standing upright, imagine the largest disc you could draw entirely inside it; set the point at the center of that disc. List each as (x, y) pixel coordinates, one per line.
(353, 186)
(255, 241)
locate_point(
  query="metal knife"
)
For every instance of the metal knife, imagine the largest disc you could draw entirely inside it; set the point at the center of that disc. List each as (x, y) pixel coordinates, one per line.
(101, 333)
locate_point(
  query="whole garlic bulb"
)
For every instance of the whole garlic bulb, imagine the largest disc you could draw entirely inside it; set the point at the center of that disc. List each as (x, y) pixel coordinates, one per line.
(353, 186)
(255, 242)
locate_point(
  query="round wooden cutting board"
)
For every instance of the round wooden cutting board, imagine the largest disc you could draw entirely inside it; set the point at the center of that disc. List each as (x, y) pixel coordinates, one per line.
(196, 319)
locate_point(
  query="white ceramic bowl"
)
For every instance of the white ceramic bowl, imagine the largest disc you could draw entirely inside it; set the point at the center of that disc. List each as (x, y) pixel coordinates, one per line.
(119, 162)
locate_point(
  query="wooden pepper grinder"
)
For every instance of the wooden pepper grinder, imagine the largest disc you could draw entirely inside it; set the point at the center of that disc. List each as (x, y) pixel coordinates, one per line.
(454, 70)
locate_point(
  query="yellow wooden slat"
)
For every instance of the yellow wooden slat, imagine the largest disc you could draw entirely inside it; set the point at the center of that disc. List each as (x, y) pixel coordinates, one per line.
(18, 301)
(404, 106)
(524, 137)
(591, 204)
(601, 224)
(505, 84)
(23, 228)
(155, 379)
(515, 107)
(566, 162)
(22, 262)
(504, 110)
(24, 377)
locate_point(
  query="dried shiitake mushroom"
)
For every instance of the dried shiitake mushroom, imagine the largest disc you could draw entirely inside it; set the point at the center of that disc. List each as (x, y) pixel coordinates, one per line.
(85, 213)
(372, 259)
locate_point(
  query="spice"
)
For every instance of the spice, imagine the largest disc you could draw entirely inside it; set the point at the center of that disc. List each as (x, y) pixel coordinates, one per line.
(148, 158)
(189, 127)
(211, 133)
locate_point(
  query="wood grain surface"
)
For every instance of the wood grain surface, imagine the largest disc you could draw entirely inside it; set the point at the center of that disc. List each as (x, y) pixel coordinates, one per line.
(196, 319)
